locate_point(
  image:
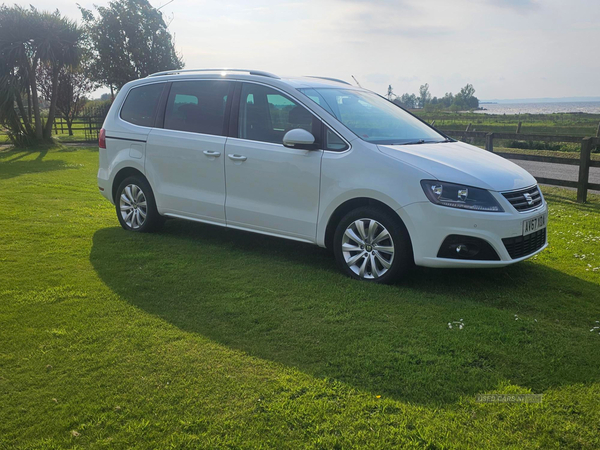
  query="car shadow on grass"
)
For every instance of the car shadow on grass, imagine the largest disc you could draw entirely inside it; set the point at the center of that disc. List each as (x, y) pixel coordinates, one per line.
(286, 302)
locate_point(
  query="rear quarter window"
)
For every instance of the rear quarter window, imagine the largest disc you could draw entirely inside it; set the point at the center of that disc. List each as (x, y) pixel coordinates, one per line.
(141, 104)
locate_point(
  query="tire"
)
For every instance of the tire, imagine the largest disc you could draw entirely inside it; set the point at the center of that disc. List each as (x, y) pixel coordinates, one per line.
(135, 199)
(378, 251)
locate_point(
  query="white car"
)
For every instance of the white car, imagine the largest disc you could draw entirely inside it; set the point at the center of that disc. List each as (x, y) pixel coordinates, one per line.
(315, 160)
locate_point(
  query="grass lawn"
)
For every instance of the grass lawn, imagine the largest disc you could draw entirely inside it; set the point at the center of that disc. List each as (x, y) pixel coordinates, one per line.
(203, 337)
(78, 136)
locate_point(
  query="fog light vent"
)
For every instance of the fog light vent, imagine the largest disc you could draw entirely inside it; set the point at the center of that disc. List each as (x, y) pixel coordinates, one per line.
(456, 246)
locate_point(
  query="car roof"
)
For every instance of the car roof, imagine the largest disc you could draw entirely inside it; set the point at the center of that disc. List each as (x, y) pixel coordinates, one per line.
(251, 75)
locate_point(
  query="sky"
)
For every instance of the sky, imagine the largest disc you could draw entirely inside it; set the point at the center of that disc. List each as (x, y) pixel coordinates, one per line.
(505, 48)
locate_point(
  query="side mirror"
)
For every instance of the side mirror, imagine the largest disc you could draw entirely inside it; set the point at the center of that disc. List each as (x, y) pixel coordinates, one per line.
(299, 138)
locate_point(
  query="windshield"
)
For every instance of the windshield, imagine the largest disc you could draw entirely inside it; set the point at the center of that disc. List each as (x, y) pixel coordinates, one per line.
(372, 118)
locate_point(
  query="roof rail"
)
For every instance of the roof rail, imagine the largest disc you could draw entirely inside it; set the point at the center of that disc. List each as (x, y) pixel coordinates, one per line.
(251, 72)
(331, 79)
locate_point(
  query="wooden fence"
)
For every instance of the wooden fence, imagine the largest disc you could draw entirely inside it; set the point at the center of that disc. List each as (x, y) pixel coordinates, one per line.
(90, 125)
(584, 161)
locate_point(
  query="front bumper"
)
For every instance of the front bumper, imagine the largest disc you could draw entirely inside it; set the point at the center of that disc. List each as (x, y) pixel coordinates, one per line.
(429, 225)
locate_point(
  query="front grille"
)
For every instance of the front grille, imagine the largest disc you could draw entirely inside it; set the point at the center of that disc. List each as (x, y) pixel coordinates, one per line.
(520, 246)
(524, 199)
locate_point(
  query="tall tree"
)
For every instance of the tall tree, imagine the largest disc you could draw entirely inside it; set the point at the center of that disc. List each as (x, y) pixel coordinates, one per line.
(129, 40)
(468, 96)
(408, 101)
(28, 38)
(73, 86)
(424, 95)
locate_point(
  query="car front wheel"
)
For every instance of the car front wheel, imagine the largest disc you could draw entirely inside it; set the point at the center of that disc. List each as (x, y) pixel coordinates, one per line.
(372, 245)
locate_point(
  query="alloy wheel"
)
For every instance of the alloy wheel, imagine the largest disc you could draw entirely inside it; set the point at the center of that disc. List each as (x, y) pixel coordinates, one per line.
(133, 206)
(368, 248)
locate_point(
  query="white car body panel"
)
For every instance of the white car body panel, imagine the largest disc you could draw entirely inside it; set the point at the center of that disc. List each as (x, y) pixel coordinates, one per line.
(294, 193)
(187, 181)
(275, 190)
(457, 162)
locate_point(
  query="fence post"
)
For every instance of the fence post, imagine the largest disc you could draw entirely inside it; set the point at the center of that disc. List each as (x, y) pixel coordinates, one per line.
(489, 142)
(584, 170)
(466, 131)
(55, 129)
(519, 127)
(433, 124)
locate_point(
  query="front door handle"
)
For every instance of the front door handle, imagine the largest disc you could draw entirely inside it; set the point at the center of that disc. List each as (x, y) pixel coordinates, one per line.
(234, 157)
(211, 153)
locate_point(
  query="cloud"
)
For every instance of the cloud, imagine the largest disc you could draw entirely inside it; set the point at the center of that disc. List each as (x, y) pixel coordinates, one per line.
(378, 78)
(386, 19)
(521, 6)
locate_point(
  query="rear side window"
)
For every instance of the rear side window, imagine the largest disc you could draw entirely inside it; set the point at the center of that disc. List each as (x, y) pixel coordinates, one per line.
(197, 106)
(141, 104)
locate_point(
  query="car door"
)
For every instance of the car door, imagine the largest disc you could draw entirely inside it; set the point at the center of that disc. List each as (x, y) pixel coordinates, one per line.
(271, 188)
(184, 154)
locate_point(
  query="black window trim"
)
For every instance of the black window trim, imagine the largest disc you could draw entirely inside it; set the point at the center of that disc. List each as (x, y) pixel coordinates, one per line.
(159, 121)
(235, 110)
(164, 83)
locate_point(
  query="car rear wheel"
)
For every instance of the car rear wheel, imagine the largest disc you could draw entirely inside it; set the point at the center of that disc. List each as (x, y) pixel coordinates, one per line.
(135, 205)
(372, 245)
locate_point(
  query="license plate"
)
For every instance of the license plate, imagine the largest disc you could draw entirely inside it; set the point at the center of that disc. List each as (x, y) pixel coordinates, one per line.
(533, 225)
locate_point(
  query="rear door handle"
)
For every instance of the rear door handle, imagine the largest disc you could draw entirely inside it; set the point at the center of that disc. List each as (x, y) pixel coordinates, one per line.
(211, 153)
(234, 157)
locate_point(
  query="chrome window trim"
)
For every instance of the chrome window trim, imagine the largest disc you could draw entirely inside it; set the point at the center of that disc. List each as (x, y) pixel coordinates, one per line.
(235, 81)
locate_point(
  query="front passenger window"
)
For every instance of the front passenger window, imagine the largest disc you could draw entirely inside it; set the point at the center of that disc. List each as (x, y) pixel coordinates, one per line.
(266, 115)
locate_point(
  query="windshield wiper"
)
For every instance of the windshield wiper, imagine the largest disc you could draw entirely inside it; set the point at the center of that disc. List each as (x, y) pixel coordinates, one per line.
(420, 141)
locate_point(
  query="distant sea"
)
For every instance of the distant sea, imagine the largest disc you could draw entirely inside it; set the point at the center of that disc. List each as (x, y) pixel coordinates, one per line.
(541, 108)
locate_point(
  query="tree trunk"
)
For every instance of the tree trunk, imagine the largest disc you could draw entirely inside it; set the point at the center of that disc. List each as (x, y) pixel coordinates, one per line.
(23, 114)
(69, 125)
(53, 98)
(112, 93)
(29, 103)
(34, 100)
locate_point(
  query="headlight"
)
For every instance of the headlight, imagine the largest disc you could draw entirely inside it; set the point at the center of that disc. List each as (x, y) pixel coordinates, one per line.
(459, 196)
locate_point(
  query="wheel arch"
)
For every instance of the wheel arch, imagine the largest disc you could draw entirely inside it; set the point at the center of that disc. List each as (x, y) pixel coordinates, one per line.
(352, 204)
(121, 175)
